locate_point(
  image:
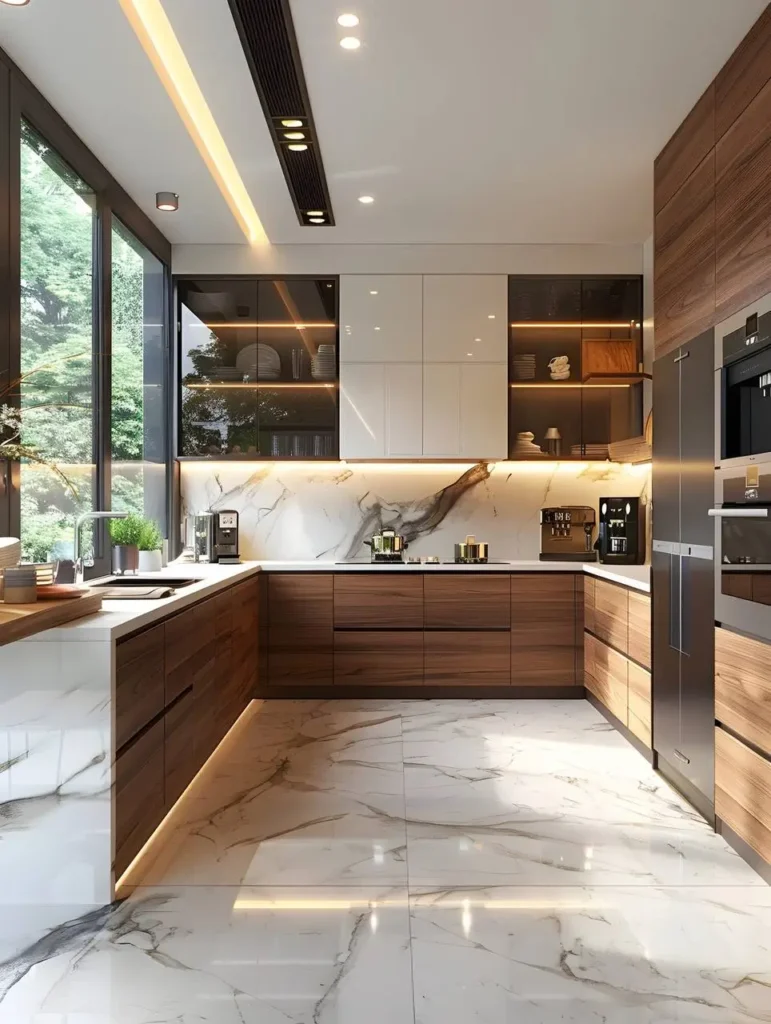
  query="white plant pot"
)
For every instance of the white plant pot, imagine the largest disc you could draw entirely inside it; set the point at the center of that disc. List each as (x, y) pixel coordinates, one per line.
(150, 561)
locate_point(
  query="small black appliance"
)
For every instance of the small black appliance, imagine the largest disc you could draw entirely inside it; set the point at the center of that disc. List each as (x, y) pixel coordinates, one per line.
(226, 537)
(621, 539)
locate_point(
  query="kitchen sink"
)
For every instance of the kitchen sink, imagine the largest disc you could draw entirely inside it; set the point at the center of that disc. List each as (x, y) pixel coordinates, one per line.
(141, 588)
(172, 582)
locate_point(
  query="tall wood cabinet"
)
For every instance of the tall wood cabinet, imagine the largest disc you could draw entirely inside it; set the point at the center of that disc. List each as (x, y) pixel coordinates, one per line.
(712, 199)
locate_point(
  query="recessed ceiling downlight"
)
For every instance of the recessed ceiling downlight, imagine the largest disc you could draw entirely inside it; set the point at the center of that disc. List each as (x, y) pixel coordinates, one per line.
(292, 122)
(297, 147)
(315, 213)
(168, 202)
(19, 3)
(366, 200)
(294, 135)
(348, 20)
(317, 220)
(350, 43)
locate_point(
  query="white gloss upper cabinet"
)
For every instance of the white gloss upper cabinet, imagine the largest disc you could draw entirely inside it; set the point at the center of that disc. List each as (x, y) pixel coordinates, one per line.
(381, 410)
(465, 410)
(381, 318)
(465, 318)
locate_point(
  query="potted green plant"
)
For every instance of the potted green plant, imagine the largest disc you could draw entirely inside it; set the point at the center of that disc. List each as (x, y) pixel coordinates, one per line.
(125, 535)
(150, 544)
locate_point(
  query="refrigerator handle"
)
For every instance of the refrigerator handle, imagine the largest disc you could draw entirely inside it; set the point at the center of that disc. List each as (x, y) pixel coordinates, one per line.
(675, 601)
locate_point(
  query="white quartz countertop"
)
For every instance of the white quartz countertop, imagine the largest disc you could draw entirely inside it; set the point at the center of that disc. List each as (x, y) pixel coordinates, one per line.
(117, 618)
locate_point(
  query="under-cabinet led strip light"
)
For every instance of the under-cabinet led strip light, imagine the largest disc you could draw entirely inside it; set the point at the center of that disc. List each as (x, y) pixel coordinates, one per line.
(156, 35)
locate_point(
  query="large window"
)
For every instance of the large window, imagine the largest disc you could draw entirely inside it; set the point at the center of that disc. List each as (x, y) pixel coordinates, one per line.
(138, 378)
(57, 216)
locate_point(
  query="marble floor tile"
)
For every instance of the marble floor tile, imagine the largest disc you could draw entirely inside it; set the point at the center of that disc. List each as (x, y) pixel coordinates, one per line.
(588, 955)
(518, 858)
(225, 956)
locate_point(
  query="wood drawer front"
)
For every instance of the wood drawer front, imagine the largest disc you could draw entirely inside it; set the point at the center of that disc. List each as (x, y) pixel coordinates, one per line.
(468, 601)
(589, 602)
(139, 795)
(639, 702)
(378, 658)
(184, 748)
(467, 659)
(190, 649)
(743, 792)
(743, 686)
(639, 640)
(300, 630)
(606, 677)
(381, 600)
(139, 682)
(611, 614)
(543, 610)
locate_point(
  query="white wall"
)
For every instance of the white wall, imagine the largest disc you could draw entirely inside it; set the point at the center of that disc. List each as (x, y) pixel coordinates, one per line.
(408, 259)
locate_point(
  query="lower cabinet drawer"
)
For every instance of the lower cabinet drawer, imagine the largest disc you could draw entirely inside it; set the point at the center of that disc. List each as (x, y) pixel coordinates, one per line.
(639, 703)
(139, 795)
(378, 600)
(467, 659)
(467, 601)
(743, 792)
(182, 746)
(606, 676)
(364, 658)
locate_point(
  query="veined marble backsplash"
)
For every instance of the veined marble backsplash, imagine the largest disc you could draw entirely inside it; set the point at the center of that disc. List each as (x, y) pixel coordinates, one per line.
(325, 511)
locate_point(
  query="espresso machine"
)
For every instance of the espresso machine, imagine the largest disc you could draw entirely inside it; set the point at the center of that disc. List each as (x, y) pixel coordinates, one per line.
(567, 534)
(621, 539)
(226, 537)
(211, 537)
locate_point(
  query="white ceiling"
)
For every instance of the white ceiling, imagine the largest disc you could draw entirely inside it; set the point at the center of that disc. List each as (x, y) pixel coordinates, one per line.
(489, 121)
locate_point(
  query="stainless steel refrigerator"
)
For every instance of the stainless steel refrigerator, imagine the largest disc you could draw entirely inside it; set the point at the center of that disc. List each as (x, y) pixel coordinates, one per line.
(683, 586)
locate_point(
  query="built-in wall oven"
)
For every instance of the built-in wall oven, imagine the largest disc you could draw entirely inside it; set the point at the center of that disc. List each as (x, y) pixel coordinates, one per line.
(742, 510)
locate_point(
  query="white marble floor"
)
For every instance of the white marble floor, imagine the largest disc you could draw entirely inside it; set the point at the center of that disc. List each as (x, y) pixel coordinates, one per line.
(478, 862)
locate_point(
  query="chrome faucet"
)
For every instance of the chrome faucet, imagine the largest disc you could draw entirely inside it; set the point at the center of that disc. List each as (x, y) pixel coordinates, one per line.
(76, 552)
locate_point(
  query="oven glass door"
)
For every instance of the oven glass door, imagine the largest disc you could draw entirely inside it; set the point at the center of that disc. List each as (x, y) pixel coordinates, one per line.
(746, 418)
(745, 552)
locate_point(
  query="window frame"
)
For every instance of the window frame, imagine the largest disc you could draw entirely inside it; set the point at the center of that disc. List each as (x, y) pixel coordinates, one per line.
(21, 101)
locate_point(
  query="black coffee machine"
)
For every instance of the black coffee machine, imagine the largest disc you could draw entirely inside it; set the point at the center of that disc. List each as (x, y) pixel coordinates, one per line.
(226, 538)
(621, 539)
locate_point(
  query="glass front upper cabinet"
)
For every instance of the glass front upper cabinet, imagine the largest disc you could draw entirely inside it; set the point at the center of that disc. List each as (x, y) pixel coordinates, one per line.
(258, 368)
(575, 365)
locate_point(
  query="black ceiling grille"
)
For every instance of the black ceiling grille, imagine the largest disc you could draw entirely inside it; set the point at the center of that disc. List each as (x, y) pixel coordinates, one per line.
(270, 45)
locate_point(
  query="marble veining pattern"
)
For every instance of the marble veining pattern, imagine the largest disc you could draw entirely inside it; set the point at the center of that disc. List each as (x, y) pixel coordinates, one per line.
(326, 511)
(483, 862)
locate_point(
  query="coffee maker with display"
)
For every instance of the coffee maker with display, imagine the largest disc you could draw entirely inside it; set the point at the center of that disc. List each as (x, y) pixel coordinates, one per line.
(621, 538)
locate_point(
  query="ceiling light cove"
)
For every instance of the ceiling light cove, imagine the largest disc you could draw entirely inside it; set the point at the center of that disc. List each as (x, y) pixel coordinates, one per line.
(348, 20)
(350, 43)
(156, 35)
(366, 200)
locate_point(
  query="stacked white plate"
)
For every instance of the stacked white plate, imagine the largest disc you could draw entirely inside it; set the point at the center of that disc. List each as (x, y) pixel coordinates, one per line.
(10, 552)
(323, 364)
(259, 362)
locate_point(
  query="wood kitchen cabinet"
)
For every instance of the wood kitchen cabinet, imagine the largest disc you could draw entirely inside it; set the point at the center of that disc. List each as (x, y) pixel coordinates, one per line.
(639, 702)
(378, 600)
(139, 794)
(743, 792)
(639, 628)
(245, 599)
(611, 614)
(606, 676)
(691, 143)
(467, 601)
(300, 629)
(543, 629)
(466, 659)
(743, 687)
(378, 658)
(139, 682)
(743, 208)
